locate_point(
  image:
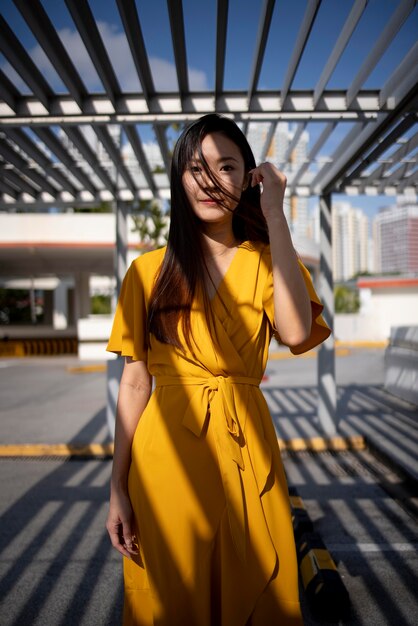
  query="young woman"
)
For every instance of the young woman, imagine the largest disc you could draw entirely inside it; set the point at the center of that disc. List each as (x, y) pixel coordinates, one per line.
(199, 504)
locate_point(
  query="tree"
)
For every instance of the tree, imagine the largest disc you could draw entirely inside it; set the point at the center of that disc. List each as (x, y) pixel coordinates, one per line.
(151, 222)
(346, 300)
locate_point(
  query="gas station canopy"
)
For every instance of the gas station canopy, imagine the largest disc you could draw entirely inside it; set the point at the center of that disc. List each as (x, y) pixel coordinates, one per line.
(365, 139)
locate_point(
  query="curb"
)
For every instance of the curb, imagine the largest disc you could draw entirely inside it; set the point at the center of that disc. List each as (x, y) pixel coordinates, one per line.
(100, 450)
(38, 347)
(321, 444)
(60, 450)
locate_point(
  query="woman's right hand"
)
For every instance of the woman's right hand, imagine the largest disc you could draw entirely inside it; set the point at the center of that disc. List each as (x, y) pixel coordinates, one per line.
(119, 524)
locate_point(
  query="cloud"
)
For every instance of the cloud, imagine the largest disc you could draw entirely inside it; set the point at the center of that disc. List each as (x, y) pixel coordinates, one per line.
(116, 44)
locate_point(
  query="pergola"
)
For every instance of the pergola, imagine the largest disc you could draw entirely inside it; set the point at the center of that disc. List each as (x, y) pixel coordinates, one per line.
(46, 159)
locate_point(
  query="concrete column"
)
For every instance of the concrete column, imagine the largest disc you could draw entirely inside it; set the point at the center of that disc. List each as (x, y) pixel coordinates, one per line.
(327, 387)
(60, 312)
(48, 307)
(82, 295)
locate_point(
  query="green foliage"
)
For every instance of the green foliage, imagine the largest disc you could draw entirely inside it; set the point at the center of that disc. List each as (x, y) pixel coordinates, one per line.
(346, 300)
(151, 223)
(100, 305)
(103, 207)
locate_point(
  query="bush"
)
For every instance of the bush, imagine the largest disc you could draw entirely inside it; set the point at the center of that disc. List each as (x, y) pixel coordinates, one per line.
(346, 300)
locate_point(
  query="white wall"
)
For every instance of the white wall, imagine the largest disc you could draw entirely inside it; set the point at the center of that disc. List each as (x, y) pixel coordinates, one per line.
(381, 309)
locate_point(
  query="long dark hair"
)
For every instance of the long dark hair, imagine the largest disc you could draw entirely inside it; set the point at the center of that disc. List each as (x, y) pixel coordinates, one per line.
(183, 269)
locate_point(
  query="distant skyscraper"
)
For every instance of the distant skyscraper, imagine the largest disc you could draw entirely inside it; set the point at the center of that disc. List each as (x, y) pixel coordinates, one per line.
(350, 241)
(296, 209)
(395, 230)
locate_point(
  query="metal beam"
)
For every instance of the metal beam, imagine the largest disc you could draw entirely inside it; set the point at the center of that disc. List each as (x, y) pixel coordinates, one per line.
(393, 178)
(396, 157)
(406, 70)
(268, 140)
(295, 140)
(130, 20)
(366, 140)
(409, 181)
(398, 18)
(16, 54)
(48, 137)
(8, 92)
(338, 156)
(399, 130)
(114, 154)
(159, 130)
(221, 28)
(377, 174)
(5, 188)
(329, 128)
(21, 139)
(20, 183)
(136, 145)
(303, 35)
(175, 12)
(167, 107)
(342, 41)
(10, 156)
(38, 21)
(75, 135)
(262, 35)
(89, 32)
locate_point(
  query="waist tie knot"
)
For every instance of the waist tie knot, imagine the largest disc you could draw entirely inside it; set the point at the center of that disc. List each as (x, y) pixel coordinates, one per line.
(214, 397)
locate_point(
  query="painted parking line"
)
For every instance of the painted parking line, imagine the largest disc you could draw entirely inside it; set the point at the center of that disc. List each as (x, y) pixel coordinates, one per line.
(373, 547)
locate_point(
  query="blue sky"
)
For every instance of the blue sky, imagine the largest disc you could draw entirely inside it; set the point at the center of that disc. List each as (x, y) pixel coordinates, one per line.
(200, 28)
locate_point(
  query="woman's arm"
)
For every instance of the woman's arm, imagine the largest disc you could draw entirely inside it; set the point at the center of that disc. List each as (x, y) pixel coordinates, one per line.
(292, 308)
(134, 393)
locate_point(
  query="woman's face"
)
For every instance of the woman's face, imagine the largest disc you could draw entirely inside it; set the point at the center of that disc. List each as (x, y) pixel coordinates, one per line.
(226, 164)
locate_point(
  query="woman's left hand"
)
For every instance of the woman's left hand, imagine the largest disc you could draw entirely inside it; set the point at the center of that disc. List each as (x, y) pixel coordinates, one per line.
(274, 186)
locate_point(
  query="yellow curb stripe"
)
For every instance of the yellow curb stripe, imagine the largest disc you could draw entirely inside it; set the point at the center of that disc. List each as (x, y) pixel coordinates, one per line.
(56, 449)
(319, 444)
(362, 344)
(316, 444)
(86, 369)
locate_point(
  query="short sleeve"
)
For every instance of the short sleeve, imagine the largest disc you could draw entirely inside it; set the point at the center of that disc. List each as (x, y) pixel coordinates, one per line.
(319, 329)
(128, 336)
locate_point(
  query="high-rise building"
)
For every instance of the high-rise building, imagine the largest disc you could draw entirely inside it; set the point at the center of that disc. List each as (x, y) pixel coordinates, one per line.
(395, 230)
(350, 241)
(296, 209)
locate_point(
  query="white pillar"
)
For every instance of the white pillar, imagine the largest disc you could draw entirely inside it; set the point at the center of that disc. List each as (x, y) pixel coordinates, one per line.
(327, 387)
(82, 295)
(60, 312)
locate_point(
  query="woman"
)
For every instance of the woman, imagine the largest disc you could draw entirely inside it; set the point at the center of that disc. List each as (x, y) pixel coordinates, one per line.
(199, 505)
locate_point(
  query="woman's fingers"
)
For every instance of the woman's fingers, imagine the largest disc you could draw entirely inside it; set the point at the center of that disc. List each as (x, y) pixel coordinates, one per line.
(129, 538)
(122, 538)
(267, 173)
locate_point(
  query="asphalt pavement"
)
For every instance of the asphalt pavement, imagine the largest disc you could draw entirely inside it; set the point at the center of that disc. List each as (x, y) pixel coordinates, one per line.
(56, 564)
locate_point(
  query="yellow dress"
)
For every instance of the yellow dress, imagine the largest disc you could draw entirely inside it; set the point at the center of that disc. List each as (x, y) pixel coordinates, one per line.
(206, 481)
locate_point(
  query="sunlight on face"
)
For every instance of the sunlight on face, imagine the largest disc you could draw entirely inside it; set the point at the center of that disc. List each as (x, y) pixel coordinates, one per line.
(212, 203)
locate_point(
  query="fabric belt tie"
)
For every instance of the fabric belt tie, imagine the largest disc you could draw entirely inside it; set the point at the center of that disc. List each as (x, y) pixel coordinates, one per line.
(215, 395)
